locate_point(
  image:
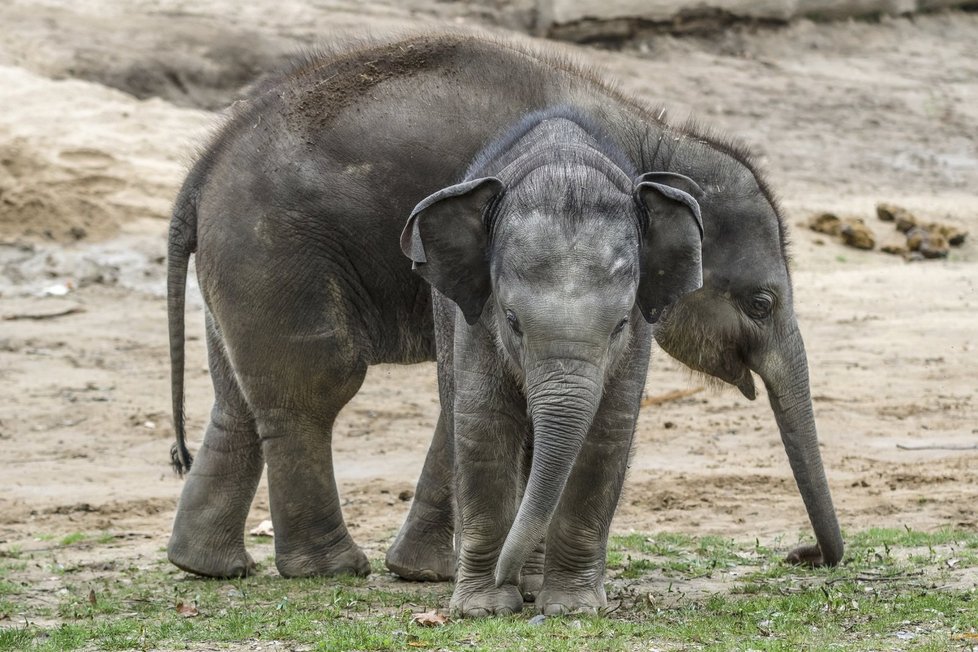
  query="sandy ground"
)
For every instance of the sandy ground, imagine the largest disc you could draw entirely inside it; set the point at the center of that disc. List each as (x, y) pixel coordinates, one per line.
(842, 116)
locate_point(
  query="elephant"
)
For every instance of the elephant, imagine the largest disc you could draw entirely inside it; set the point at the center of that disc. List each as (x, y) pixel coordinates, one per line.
(300, 213)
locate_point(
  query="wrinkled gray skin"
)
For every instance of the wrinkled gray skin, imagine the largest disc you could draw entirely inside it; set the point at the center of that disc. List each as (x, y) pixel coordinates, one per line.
(552, 252)
(295, 212)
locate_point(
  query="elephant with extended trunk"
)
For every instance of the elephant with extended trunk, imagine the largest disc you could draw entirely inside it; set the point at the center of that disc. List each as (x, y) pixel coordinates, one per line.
(552, 221)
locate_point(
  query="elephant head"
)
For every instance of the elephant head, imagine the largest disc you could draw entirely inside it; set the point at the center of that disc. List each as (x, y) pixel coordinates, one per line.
(742, 320)
(556, 256)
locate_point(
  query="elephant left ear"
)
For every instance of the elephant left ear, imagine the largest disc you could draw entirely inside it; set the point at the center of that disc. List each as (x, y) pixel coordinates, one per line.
(446, 238)
(672, 258)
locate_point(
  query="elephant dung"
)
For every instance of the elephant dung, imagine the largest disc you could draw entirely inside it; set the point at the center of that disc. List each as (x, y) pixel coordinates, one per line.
(955, 236)
(827, 223)
(856, 234)
(895, 248)
(903, 219)
(927, 243)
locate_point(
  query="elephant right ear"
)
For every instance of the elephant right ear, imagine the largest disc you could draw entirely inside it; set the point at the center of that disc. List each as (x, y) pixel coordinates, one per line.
(672, 258)
(446, 238)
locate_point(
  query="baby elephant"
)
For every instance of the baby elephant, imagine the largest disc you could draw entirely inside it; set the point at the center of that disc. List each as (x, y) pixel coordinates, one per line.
(544, 261)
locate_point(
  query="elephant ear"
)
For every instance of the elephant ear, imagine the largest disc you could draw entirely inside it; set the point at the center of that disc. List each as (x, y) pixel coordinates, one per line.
(446, 238)
(672, 260)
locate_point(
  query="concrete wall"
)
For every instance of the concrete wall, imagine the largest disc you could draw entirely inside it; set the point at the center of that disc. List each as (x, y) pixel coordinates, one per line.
(588, 19)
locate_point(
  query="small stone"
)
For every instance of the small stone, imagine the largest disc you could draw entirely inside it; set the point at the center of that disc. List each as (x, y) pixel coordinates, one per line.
(856, 234)
(827, 223)
(538, 619)
(405, 495)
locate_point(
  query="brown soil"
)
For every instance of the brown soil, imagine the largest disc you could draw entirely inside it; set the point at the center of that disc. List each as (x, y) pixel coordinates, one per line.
(844, 116)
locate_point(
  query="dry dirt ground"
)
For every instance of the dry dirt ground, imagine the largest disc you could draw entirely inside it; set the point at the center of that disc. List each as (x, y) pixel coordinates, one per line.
(842, 116)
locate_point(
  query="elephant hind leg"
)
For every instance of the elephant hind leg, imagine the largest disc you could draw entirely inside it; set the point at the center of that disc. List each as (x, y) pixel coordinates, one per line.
(295, 409)
(208, 532)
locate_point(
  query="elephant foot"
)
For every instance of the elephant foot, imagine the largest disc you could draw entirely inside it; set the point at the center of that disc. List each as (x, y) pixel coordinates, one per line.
(481, 600)
(421, 563)
(556, 602)
(345, 558)
(422, 556)
(209, 560)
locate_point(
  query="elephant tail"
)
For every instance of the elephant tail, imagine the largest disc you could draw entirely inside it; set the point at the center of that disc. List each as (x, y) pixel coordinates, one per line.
(181, 243)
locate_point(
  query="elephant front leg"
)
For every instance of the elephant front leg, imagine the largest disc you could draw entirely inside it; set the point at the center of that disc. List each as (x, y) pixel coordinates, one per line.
(577, 540)
(488, 449)
(424, 548)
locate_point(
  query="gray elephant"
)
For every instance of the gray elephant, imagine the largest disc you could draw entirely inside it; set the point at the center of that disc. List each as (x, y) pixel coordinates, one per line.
(294, 213)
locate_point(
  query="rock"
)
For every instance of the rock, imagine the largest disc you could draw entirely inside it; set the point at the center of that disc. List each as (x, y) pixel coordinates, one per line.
(405, 495)
(856, 234)
(827, 223)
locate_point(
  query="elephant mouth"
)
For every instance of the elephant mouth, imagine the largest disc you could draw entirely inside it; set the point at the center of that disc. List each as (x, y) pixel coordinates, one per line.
(699, 344)
(742, 380)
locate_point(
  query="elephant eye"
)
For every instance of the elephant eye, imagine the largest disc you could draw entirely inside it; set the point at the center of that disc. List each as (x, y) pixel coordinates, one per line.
(514, 323)
(619, 328)
(761, 305)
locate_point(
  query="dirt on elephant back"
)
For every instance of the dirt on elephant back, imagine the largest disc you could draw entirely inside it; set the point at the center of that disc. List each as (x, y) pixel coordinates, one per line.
(843, 116)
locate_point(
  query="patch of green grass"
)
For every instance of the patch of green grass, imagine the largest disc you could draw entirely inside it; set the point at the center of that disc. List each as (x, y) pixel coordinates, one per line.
(892, 592)
(909, 538)
(11, 552)
(16, 638)
(74, 537)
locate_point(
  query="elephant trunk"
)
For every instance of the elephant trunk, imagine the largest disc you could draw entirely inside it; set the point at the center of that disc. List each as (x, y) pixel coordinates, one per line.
(785, 373)
(562, 397)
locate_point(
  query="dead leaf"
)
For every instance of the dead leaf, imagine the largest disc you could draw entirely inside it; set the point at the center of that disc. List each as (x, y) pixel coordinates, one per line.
(966, 636)
(92, 600)
(417, 644)
(429, 619)
(187, 610)
(263, 529)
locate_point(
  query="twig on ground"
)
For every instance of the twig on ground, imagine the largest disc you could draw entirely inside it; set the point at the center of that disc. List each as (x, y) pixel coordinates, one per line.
(44, 314)
(670, 396)
(946, 447)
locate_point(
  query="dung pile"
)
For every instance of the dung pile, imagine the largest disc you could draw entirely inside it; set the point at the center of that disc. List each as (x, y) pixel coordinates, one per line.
(919, 239)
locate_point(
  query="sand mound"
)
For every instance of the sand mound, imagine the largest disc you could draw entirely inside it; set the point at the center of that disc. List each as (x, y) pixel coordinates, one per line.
(78, 159)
